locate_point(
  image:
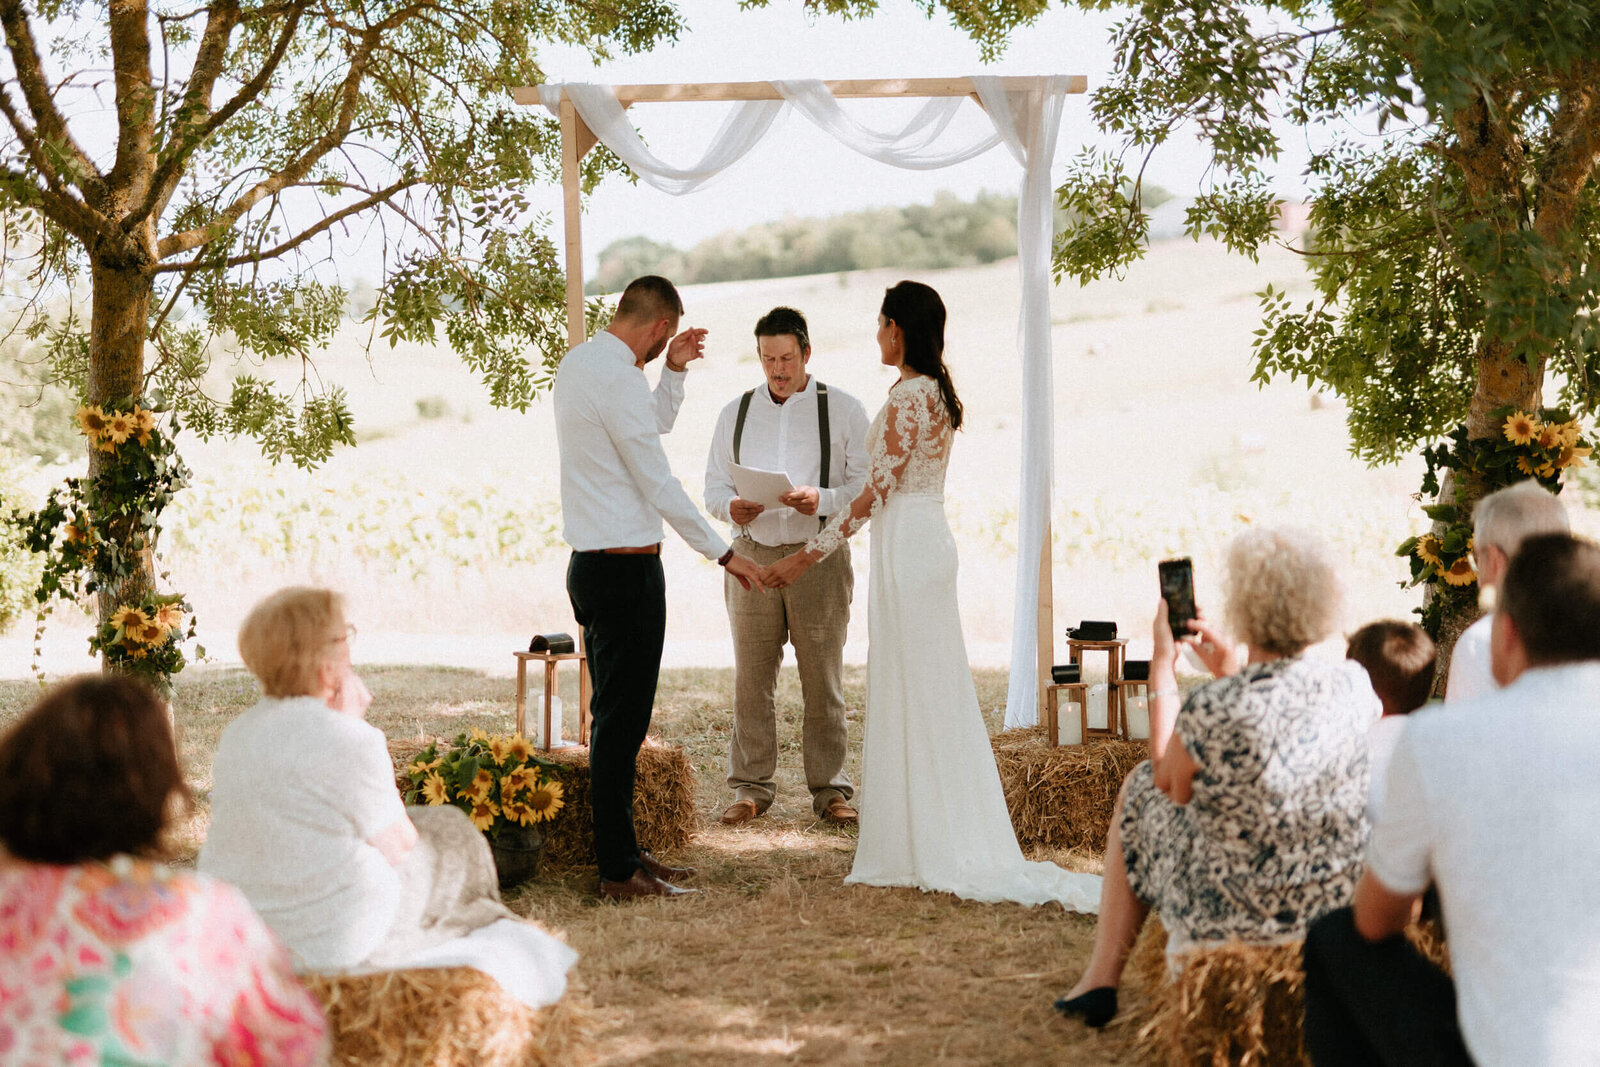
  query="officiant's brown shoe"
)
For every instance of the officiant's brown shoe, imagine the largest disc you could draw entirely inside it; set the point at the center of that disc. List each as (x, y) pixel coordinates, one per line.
(642, 884)
(662, 871)
(740, 812)
(840, 814)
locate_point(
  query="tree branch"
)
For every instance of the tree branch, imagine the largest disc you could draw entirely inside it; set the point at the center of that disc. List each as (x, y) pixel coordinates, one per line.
(350, 92)
(327, 223)
(50, 127)
(136, 112)
(1574, 150)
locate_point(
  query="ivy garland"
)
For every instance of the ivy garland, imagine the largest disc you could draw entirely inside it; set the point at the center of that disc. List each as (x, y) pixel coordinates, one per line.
(94, 532)
(1541, 446)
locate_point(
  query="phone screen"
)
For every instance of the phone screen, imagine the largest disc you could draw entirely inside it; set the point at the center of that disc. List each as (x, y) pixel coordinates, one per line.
(1177, 589)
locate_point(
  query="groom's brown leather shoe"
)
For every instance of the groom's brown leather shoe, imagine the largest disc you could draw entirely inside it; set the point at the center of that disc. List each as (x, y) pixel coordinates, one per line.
(642, 884)
(662, 871)
(740, 812)
(840, 814)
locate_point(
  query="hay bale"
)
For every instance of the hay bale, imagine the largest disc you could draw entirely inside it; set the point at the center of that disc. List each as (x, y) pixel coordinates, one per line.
(1232, 1003)
(1062, 797)
(446, 1017)
(663, 800)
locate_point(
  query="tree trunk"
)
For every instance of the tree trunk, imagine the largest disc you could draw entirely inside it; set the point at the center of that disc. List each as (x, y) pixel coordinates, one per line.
(121, 310)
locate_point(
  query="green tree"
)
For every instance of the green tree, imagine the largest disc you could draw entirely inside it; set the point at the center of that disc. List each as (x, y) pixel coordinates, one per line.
(244, 137)
(1455, 221)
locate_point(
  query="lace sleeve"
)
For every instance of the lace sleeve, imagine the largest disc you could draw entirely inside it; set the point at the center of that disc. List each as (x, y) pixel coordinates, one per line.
(907, 422)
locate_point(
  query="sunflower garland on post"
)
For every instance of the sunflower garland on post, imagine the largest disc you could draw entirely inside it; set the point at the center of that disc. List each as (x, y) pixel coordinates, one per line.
(93, 532)
(1541, 445)
(498, 781)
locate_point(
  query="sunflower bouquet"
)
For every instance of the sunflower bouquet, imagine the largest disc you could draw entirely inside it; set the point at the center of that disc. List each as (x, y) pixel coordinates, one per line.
(497, 780)
(1541, 445)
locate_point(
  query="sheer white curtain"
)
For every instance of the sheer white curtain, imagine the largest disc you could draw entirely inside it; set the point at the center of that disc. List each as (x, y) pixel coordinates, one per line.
(1027, 121)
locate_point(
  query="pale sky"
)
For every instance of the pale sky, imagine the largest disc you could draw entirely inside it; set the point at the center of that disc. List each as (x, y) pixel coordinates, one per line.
(800, 171)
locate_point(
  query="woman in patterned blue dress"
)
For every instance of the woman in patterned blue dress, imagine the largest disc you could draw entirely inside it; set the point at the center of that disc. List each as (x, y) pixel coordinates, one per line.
(1248, 821)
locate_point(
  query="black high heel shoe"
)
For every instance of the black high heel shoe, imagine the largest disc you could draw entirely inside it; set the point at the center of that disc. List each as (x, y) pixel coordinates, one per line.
(1095, 1008)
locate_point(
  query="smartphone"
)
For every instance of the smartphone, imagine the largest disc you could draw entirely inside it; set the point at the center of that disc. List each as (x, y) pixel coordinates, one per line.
(1177, 589)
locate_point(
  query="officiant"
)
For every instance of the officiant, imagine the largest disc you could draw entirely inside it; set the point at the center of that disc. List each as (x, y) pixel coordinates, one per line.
(817, 436)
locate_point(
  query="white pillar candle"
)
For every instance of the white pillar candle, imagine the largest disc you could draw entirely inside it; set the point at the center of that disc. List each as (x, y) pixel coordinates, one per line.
(1098, 694)
(1138, 718)
(538, 720)
(1069, 724)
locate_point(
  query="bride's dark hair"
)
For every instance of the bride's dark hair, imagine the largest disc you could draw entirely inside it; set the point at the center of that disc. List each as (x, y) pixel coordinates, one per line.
(919, 313)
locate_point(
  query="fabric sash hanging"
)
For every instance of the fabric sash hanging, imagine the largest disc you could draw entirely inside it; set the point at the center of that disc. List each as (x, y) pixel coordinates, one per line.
(1027, 121)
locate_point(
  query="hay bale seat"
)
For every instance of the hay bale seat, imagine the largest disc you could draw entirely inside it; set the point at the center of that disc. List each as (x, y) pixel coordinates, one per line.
(1230, 1004)
(663, 800)
(1062, 797)
(446, 1017)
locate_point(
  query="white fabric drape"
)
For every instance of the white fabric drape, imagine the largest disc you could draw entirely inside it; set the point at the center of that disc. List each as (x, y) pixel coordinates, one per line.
(1027, 121)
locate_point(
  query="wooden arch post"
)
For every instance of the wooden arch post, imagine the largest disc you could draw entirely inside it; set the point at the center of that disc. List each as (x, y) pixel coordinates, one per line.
(577, 139)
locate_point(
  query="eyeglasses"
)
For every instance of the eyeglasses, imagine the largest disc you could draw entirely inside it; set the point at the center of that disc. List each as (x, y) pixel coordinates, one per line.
(349, 633)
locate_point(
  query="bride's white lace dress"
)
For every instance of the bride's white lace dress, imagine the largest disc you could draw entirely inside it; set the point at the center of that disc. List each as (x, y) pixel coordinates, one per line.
(933, 814)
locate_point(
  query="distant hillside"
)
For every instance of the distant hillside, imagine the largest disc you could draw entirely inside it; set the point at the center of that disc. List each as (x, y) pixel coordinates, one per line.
(949, 232)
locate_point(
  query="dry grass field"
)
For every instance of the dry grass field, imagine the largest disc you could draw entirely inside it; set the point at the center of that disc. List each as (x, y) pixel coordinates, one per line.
(776, 962)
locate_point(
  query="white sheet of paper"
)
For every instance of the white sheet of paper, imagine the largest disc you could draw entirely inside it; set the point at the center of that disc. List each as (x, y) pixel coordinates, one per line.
(759, 486)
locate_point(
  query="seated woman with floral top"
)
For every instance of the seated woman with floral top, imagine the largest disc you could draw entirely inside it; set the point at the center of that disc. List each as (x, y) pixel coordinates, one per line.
(106, 956)
(307, 820)
(1248, 821)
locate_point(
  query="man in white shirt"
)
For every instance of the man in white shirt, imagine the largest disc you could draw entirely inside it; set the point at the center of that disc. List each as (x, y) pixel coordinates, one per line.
(818, 437)
(1494, 802)
(1500, 522)
(616, 487)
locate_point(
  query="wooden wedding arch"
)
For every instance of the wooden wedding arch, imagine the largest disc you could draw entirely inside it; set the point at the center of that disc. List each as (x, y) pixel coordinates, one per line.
(577, 139)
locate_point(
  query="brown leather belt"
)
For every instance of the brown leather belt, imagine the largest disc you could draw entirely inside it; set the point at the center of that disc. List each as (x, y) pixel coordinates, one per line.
(632, 550)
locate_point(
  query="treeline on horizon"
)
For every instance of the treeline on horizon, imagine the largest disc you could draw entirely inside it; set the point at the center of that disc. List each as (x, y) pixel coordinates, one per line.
(950, 232)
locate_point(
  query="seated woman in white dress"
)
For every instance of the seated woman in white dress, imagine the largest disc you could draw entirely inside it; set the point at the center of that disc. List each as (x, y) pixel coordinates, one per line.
(307, 821)
(1249, 819)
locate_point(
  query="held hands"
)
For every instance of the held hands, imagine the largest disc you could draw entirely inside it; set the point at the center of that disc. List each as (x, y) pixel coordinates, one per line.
(787, 570)
(803, 499)
(748, 573)
(743, 512)
(685, 348)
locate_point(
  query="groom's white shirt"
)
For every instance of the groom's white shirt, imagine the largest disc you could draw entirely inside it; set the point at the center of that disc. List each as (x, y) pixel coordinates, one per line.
(616, 484)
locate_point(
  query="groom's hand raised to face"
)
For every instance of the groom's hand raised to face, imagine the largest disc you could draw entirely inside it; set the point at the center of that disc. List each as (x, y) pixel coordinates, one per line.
(748, 573)
(687, 347)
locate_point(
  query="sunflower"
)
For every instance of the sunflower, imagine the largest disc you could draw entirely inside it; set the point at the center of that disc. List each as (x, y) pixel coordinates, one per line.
(148, 632)
(1428, 549)
(478, 791)
(144, 418)
(422, 766)
(1459, 573)
(520, 778)
(483, 813)
(1570, 433)
(1573, 456)
(477, 734)
(76, 532)
(1549, 436)
(520, 747)
(1524, 466)
(520, 812)
(170, 616)
(119, 426)
(434, 791)
(129, 617)
(90, 419)
(499, 748)
(104, 444)
(1521, 427)
(546, 799)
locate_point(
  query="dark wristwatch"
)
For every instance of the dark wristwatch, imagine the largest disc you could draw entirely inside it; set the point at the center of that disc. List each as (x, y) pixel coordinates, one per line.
(725, 558)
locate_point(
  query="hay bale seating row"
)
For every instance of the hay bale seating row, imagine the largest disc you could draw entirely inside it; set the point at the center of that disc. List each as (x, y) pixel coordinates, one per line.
(1230, 1004)
(663, 800)
(1062, 797)
(446, 1017)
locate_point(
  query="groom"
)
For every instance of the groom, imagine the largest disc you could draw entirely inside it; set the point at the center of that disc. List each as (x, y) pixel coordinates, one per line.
(616, 487)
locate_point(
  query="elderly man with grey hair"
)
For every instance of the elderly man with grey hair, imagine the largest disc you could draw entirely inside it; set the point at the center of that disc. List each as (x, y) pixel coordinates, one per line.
(1500, 523)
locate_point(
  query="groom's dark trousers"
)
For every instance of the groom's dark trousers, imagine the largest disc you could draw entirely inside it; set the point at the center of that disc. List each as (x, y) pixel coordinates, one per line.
(621, 603)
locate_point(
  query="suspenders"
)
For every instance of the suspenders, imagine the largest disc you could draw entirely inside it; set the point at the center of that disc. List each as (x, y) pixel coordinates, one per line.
(822, 433)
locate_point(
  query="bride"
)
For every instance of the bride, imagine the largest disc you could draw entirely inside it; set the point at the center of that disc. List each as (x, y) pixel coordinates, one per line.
(933, 814)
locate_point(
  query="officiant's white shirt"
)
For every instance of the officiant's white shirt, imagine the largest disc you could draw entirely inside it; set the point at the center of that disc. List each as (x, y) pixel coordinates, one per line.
(783, 437)
(616, 484)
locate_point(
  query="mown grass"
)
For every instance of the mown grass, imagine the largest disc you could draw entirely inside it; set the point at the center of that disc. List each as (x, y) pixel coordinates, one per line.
(776, 961)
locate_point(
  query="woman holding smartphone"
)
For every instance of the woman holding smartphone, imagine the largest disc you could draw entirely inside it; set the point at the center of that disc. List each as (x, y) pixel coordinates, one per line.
(1249, 819)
